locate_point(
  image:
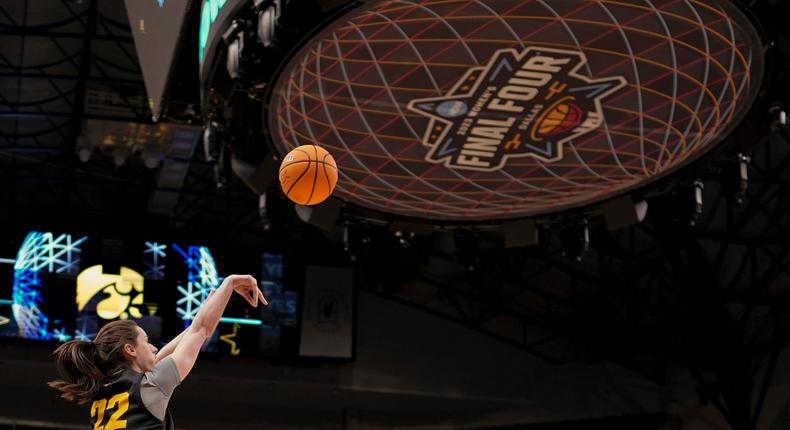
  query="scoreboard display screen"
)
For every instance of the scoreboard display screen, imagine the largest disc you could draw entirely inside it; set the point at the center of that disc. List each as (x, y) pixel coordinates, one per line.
(57, 287)
(473, 111)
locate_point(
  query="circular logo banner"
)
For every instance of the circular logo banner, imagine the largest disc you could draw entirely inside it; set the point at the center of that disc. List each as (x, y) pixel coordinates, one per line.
(475, 110)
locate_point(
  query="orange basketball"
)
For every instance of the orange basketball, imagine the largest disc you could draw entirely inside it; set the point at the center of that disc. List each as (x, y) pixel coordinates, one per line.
(308, 175)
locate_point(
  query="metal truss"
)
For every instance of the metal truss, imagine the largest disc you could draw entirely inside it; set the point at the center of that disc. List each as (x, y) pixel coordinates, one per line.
(47, 98)
(62, 59)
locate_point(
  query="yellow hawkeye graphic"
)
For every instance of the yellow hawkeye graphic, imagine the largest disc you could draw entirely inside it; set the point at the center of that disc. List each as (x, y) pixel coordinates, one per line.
(125, 292)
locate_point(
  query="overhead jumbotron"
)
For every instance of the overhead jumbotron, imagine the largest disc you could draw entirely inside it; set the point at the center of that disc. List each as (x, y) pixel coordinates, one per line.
(474, 111)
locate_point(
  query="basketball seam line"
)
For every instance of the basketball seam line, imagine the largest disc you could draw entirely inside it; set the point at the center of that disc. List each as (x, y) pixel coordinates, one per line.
(298, 179)
(303, 152)
(326, 176)
(307, 161)
(315, 177)
(333, 165)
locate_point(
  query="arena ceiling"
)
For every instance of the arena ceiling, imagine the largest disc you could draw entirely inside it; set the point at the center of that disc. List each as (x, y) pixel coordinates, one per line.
(77, 134)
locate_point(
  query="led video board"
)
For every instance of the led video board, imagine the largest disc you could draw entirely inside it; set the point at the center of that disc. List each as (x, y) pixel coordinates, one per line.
(473, 111)
(60, 287)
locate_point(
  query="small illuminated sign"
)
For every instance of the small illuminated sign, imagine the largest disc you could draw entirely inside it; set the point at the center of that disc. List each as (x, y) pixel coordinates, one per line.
(208, 16)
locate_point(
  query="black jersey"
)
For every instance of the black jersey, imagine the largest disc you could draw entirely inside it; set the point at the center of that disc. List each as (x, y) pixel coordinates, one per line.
(136, 401)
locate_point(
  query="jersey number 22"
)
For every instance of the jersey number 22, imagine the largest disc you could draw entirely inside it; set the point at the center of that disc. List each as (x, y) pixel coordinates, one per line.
(119, 402)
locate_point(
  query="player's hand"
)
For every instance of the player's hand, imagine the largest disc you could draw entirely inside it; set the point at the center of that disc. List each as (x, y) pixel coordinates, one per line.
(247, 287)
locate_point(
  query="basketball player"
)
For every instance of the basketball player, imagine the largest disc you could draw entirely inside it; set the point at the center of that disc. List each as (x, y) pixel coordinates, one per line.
(128, 382)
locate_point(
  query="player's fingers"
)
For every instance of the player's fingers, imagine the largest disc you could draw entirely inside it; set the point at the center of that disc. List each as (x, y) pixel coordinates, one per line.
(262, 297)
(251, 280)
(248, 295)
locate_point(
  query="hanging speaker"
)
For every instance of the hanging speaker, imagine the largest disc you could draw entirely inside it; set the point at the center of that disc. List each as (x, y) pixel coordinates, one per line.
(266, 22)
(323, 215)
(520, 233)
(623, 211)
(256, 176)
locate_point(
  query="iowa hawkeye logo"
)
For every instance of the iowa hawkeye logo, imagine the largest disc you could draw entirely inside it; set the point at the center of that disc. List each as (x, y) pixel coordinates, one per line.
(521, 104)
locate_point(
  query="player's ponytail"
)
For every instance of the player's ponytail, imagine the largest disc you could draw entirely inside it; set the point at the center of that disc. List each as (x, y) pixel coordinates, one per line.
(76, 362)
(85, 365)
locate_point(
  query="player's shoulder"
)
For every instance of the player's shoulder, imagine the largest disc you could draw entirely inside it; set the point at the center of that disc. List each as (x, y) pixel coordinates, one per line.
(163, 375)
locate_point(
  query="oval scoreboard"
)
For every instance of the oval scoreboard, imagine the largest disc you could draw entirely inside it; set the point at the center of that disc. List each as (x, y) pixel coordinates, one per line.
(472, 110)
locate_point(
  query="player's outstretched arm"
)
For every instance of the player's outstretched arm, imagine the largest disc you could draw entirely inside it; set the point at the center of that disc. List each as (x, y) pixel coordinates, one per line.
(171, 346)
(188, 347)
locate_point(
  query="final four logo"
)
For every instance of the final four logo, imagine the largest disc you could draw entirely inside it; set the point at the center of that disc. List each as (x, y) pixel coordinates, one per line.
(521, 104)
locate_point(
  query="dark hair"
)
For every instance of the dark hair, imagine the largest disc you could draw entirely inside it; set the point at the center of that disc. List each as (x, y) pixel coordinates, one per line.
(84, 365)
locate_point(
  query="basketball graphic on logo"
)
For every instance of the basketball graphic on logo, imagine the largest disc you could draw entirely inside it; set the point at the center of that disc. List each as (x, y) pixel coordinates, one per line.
(562, 118)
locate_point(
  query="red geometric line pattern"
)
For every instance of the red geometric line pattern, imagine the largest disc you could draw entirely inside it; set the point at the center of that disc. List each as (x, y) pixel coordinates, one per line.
(692, 69)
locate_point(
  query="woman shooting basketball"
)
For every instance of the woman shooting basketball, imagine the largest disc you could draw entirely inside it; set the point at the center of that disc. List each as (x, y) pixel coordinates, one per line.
(128, 382)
